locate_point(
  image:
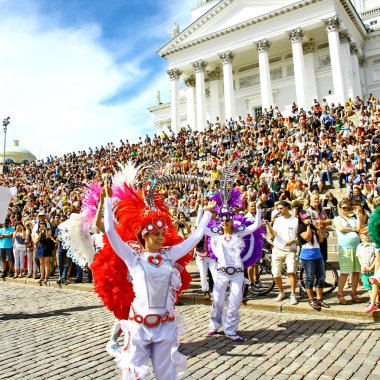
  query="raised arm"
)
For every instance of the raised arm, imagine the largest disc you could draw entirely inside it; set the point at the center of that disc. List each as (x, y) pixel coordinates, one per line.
(122, 249)
(194, 238)
(98, 218)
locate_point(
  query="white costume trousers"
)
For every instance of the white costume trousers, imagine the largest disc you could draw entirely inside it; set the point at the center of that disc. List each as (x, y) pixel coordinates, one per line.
(203, 266)
(160, 344)
(19, 251)
(235, 282)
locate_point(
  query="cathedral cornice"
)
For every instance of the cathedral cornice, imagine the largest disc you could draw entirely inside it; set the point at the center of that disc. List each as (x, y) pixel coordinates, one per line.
(175, 46)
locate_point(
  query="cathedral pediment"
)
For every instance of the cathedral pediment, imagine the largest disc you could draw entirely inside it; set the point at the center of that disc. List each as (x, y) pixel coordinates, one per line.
(227, 15)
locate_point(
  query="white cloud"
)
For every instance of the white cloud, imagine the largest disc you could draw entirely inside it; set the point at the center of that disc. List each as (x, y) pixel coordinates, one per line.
(53, 83)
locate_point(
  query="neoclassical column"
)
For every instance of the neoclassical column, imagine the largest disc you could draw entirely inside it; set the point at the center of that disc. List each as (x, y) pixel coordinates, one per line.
(190, 103)
(347, 64)
(174, 75)
(199, 67)
(332, 27)
(311, 79)
(296, 37)
(265, 82)
(214, 77)
(354, 51)
(228, 82)
(362, 69)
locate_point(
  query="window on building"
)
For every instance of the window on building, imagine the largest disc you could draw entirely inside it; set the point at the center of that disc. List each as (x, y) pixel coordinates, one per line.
(258, 112)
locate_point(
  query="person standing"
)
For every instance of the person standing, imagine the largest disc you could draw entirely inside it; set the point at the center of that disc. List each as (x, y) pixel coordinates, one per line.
(366, 253)
(253, 271)
(63, 260)
(284, 231)
(6, 251)
(347, 228)
(227, 244)
(151, 329)
(44, 243)
(322, 221)
(30, 251)
(19, 249)
(310, 235)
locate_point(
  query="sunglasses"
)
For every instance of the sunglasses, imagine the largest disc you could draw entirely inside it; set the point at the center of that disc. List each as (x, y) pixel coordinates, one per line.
(344, 207)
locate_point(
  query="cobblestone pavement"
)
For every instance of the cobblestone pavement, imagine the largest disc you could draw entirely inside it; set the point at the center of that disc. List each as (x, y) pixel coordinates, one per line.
(48, 333)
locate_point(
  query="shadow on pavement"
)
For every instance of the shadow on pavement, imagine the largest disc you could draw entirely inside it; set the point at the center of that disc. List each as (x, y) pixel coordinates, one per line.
(289, 331)
(53, 313)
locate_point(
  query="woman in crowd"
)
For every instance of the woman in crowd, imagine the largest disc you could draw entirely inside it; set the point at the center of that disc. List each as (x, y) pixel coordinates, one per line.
(30, 252)
(44, 243)
(206, 265)
(19, 249)
(184, 229)
(310, 236)
(330, 205)
(348, 228)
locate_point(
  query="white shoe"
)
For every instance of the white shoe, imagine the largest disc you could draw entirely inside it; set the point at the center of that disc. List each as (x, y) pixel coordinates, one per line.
(281, 296)
(235, 338)
(293, 299)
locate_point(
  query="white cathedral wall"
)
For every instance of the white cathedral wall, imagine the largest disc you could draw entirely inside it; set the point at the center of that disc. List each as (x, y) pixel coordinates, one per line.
(285, 97)
(325, 87)
(372, 65)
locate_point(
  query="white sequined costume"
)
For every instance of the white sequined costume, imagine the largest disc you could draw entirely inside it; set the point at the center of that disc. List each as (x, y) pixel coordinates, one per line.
(230, 272)
(151, 331)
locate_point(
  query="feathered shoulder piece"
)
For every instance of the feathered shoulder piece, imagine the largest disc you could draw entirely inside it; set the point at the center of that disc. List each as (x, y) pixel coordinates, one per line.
(90, 202)
(374, 227)
(253, 244)
(76, 238)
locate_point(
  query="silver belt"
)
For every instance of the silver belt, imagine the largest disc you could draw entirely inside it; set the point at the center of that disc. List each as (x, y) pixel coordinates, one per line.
(230, 270)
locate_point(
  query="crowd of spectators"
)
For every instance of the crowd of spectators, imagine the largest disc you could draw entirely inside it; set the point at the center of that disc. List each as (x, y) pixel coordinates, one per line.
(282, 159)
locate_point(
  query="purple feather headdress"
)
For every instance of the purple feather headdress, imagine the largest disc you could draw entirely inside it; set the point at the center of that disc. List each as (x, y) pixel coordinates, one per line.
(226, 211)
(228, 197)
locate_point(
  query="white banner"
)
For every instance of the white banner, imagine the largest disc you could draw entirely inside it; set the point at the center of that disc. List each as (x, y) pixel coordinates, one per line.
(5, 197)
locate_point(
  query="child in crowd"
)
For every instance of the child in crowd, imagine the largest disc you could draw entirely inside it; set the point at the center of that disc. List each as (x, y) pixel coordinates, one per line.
(366, 253)
(375, 282)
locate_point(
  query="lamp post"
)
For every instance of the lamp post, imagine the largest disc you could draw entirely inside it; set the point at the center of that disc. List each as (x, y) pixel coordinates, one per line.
(6, 122)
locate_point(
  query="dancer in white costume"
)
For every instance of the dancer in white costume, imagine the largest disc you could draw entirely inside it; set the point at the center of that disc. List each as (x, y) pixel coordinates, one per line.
(151, 331)
(230, 273)
(227, 245)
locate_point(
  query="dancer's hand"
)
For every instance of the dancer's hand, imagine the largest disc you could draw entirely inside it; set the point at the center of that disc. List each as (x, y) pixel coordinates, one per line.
(210, 206)
(108, 189)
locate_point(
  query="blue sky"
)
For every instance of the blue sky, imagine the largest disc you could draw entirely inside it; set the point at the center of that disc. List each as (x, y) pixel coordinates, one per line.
(80, 73)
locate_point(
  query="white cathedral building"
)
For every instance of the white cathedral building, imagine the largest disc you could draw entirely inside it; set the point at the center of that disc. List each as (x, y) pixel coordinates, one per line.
(241, 56)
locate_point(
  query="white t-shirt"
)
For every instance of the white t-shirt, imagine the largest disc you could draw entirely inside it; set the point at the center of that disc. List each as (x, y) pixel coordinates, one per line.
(286, 229)
(366, 252)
